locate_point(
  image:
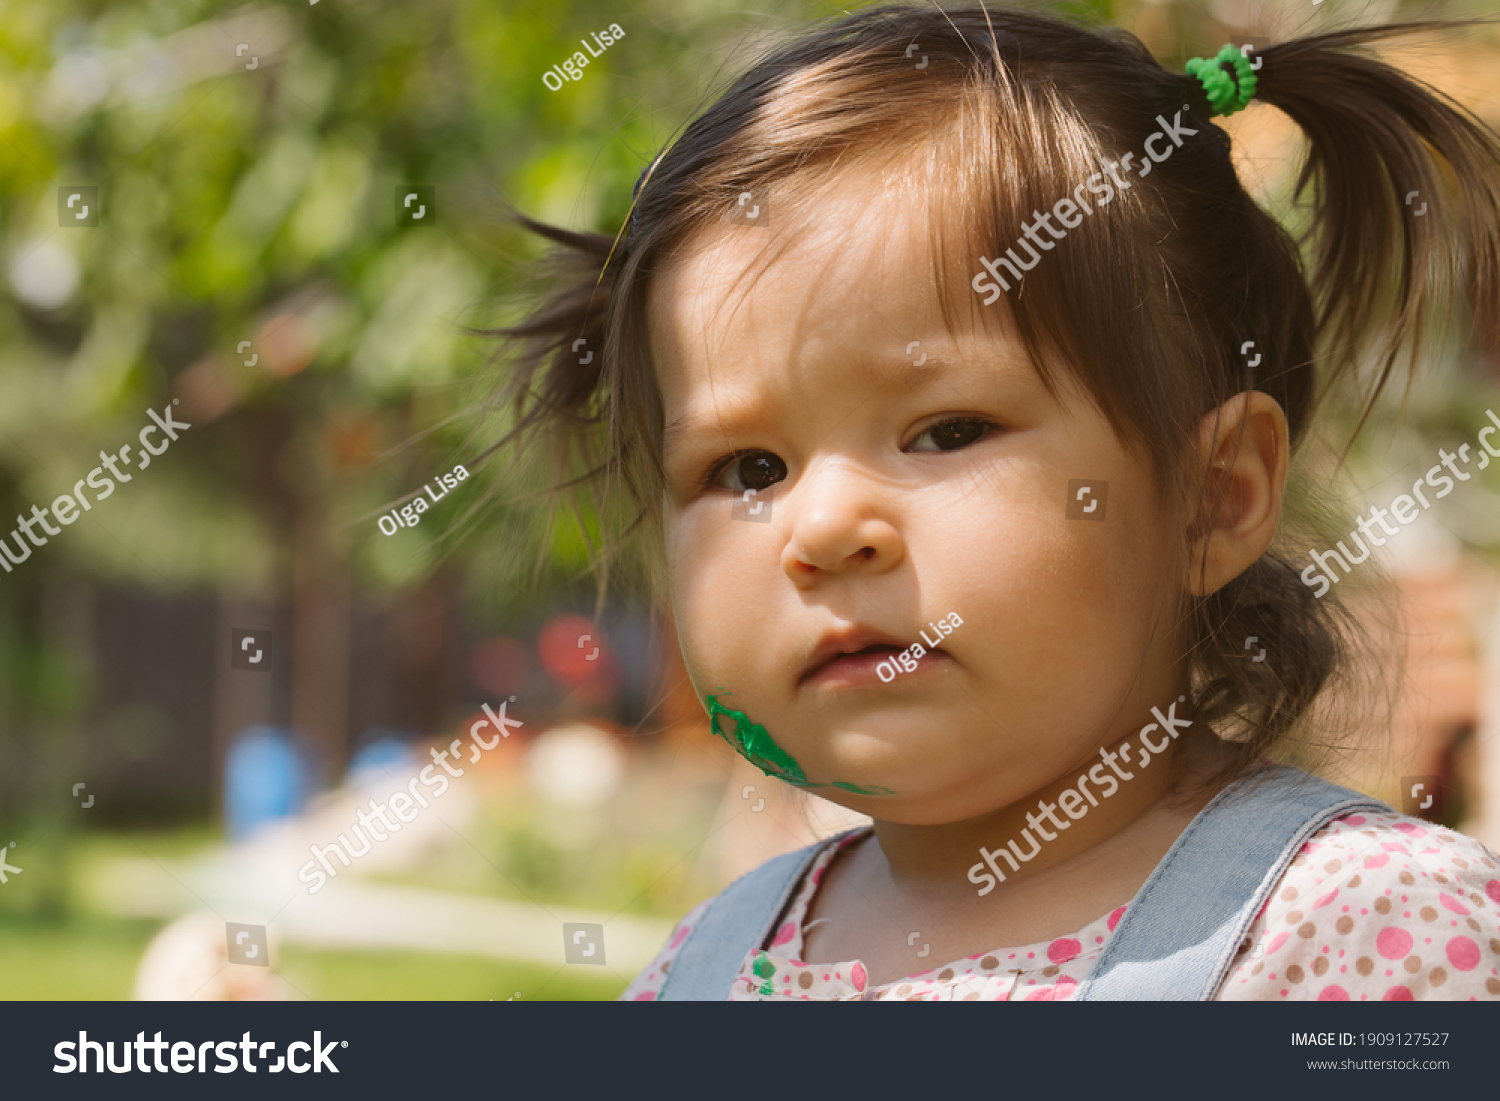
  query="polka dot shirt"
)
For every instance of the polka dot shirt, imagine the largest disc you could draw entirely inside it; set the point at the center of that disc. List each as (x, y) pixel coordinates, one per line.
(1375, 907)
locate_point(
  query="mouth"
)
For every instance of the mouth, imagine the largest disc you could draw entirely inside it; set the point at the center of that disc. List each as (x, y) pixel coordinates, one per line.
(853, 658)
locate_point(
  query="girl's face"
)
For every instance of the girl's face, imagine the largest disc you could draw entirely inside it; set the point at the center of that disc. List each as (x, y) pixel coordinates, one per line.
(906, 473)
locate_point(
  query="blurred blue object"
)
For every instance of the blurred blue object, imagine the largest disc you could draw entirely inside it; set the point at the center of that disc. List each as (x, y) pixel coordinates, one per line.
(384, 752)
(264, 779)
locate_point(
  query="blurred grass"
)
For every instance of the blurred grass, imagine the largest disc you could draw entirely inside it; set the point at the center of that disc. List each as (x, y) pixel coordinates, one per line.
(423, 976)
(95, 958)
(87, 958)
(87, 954)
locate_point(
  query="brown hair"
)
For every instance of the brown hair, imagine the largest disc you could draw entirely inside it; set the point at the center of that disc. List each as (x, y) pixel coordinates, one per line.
(1148, 305)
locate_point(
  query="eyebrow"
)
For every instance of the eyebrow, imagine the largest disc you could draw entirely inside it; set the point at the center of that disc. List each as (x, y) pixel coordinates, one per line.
(900, 376)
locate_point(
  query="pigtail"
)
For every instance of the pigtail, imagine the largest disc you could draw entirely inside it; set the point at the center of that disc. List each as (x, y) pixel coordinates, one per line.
(1404, 182)
(1379, 266)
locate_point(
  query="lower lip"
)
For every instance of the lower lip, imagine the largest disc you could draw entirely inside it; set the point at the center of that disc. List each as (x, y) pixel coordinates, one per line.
(859, 670)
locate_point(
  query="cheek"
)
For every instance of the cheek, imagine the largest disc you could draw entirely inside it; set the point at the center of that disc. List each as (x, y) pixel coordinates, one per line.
(1053, 586)
(714, 580)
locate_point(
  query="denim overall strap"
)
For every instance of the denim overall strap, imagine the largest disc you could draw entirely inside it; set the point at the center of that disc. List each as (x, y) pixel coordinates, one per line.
(738, 921)
(1185, 926)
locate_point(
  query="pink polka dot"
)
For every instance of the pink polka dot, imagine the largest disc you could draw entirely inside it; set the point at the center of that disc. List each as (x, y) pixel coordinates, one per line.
(1411, 829)
(1333, 994)
(1379, 861)
(1276, 942)
(1397, 994)
(1452, 904)
(1354, 820)
(1061, 992)
(1326, 899)
(1393, 847)
(1492, 888)
(784, 934)
(648, 996)
(1463, 953)
(681, 936)
(1114, 918)
(1060, 951)
(1393, 943)
(857, 976)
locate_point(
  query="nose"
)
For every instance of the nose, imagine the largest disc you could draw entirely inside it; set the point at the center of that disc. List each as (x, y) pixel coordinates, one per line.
(840, 526)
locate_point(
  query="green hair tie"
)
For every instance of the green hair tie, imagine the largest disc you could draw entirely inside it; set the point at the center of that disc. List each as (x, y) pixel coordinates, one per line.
(1228, 79)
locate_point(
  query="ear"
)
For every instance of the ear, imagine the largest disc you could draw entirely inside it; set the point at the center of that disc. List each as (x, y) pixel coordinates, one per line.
(1244, 453)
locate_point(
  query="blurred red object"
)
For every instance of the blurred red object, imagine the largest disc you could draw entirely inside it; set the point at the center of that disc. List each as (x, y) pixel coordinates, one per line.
(500, 665)
(575, 653)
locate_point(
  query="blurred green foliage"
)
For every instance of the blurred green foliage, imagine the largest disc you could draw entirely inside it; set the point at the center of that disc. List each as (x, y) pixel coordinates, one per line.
(241, 204)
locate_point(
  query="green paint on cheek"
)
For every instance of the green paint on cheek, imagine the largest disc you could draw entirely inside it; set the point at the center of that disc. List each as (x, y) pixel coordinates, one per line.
(863, 790)
(755, 744)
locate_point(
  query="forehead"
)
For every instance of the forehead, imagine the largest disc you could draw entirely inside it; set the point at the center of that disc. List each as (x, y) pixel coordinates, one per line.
(862, 263)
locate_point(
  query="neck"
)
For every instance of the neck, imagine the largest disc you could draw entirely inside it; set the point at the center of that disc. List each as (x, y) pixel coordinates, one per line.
(1078, 817)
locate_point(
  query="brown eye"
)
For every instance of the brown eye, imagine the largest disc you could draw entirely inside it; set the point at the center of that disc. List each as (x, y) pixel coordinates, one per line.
(756, 470)
(951, 435)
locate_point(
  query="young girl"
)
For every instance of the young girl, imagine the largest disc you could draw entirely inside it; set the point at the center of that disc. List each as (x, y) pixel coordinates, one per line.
(955, 376)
